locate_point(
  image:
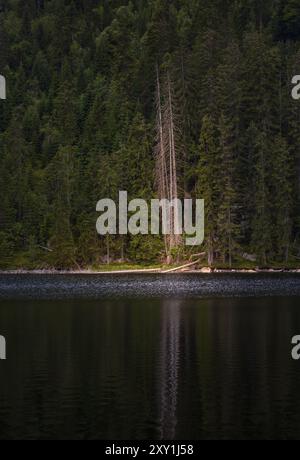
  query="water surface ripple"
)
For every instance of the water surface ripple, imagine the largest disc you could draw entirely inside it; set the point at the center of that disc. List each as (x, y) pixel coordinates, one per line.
(29, 286)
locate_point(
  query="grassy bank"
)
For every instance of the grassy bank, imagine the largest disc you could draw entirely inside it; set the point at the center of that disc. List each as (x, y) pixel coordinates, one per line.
(27, 261)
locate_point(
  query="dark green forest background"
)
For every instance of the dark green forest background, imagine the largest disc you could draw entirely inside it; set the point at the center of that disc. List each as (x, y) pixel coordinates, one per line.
(78, 125)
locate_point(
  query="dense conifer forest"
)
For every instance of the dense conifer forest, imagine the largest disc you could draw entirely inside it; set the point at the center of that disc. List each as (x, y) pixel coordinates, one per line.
(80, 124)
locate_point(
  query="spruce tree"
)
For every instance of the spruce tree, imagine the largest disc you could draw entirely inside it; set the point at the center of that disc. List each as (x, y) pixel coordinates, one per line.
(228, 228)
(282, 198)
(261, 224)
(208, 185)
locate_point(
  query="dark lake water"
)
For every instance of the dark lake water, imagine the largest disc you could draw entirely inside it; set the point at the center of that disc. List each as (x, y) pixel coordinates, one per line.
(149, 357)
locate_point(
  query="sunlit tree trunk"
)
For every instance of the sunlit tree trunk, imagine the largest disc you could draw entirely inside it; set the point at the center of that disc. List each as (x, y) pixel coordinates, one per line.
(166, 155)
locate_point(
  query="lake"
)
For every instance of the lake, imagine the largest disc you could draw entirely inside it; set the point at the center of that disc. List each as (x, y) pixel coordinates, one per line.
(181, 357)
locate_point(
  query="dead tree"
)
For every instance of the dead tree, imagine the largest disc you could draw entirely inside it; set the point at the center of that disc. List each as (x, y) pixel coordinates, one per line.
(167, 152)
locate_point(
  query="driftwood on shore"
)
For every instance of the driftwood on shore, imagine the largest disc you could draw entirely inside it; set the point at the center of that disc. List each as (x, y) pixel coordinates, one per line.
(149, 270)
(190, 264)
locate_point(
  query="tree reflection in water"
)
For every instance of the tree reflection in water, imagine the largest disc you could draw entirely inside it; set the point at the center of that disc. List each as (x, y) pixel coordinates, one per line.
(169, 367)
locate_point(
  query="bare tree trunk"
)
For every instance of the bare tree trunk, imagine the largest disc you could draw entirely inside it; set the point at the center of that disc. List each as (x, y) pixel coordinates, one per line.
(166, 156)
(107, 250)
(122, 250)
(161, 164)
(173, 164)
(287, 253)
(230, 240)
(173, 151)
(210, 256)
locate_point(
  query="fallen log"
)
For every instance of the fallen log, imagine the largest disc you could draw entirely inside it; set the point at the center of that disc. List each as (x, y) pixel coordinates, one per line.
(182, 267)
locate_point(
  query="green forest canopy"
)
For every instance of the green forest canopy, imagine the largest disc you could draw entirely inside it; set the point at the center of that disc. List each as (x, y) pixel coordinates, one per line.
(78, 124)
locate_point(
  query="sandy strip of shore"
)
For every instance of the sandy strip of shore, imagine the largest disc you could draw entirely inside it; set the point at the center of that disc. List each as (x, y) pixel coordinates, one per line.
(146, 271)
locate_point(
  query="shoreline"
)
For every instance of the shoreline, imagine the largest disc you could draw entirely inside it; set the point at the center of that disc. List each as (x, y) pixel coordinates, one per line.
(161, 271)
